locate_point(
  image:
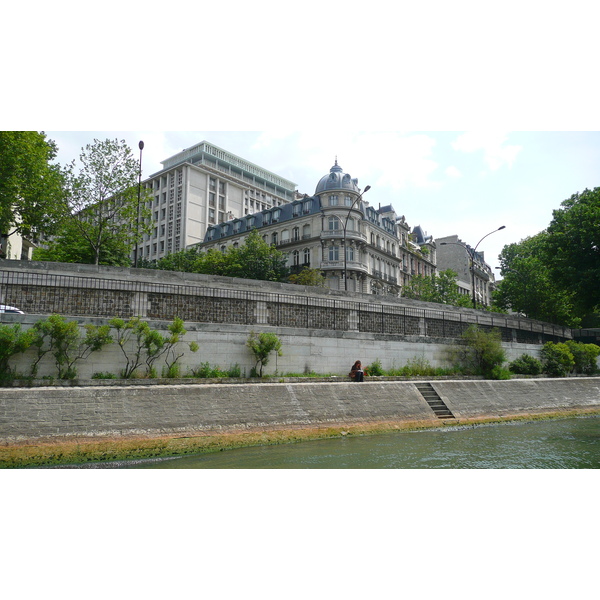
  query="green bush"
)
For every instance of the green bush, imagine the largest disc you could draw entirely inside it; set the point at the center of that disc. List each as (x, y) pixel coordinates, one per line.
(63, 340)
(526, 365)
(480, 351)
(261, 345)
(374, 369)
(557, 359)
(499, 373)
(12, 341)
(585, 356)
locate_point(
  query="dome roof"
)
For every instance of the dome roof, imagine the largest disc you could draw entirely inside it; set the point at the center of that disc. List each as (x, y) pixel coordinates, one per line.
(337, 180)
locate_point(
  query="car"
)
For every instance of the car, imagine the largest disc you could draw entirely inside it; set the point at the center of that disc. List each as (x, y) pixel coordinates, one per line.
(10, 309)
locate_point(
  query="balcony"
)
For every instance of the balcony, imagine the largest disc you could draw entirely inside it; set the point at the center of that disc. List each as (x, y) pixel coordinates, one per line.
(339, 234)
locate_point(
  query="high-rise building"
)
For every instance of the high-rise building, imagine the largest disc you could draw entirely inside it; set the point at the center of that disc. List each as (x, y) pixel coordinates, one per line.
(201, 187)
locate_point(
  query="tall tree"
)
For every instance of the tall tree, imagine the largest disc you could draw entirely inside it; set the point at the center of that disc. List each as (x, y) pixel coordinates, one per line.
(439, 287)
(573, 243)
(31, 193)
(528, 286)
(103, 198)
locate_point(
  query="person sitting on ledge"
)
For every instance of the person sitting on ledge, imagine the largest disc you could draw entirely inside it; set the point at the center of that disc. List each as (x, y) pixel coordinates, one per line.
(357, 373)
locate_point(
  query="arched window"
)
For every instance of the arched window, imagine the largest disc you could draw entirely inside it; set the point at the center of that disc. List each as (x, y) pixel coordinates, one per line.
(334, 224)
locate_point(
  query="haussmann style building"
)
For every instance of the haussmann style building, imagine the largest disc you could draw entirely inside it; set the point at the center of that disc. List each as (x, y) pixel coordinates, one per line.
(356, 246)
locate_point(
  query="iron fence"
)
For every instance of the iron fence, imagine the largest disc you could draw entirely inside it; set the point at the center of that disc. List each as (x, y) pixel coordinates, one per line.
(87, 296)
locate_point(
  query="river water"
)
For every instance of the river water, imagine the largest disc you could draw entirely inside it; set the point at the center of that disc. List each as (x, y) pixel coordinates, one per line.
(572, 443)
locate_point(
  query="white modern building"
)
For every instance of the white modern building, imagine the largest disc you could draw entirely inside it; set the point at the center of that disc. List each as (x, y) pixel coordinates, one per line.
(204, 186)
(356, 246)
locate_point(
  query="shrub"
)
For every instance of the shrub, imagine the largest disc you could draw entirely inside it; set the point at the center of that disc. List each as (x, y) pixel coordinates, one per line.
(63, 340)
(585, 356)
(261, 345)
(101, 375)
(526, 365)
(374, 369)
(480, 351)
(12, 341)
(499, 373)
(558, 359)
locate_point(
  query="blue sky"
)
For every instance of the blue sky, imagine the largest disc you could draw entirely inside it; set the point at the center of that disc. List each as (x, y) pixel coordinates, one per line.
(465, 183)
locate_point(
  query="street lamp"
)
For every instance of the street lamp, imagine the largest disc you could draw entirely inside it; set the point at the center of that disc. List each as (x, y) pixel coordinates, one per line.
(137, 227)
(471, 255)
(345, 227)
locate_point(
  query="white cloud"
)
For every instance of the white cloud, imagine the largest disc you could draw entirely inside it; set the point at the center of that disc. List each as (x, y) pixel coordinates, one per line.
(496, 152)
(453, 172)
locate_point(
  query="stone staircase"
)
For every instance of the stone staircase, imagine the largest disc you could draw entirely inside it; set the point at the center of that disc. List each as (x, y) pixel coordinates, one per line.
(435, 402)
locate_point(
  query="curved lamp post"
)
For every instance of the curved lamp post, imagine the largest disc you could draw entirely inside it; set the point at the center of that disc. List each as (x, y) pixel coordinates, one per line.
(137, 227)
(471, 255)
(345, 227)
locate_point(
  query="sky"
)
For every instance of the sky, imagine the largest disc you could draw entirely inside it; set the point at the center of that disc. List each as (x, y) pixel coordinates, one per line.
(467, 183)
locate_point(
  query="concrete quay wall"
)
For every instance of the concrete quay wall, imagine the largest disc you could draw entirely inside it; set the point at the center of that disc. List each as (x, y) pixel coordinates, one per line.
(53, 412)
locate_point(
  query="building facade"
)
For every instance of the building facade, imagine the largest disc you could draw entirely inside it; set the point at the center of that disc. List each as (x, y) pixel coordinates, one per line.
(204, 186)
(453, 253)
(357, 247)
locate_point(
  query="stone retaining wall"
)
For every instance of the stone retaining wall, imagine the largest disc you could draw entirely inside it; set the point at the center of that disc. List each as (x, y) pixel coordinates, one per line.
(29, 414)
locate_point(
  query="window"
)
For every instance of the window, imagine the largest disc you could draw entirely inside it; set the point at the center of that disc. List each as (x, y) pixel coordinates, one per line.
(285, 236)
(276, 215)
(334, 253)
(350, 253)
(296, 258)
(306, 232)
(211, 199)
(333, 200)
(211, 215)
(297, 210)
(307, 207)
(296, 234)
(334, 223)
(307, 256)
(348, 201)
(274, 239)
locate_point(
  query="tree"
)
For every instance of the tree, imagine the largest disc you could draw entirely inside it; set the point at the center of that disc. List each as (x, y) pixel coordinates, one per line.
(528, 286)
(103, 199)
(573, 243)
(441, 288)
(308, 276)
(31, 187)
(255, 259)
(262, 345)
(480, 352)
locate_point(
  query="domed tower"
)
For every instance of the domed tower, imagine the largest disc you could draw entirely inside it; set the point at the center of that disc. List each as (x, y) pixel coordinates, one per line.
(343, 235)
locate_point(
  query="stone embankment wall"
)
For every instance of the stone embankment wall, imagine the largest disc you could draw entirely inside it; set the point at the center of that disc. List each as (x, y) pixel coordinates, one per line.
(34, 413)
(321, 330)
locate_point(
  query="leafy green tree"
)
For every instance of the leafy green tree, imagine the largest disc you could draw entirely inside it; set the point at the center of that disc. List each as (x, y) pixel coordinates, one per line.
(255, 259)
(529, 287)
(526, 365)
(103, 200)
(441, 288)
(480, 351)
(308, 276)
(70, 247)
(573, 243)
(31, 186)
(262, 345)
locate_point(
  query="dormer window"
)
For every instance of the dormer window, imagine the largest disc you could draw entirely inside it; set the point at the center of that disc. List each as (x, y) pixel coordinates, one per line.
(307, 207)
(276, 215)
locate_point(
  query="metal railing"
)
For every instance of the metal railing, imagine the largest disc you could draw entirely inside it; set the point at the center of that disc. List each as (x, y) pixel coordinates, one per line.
(88, 296)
